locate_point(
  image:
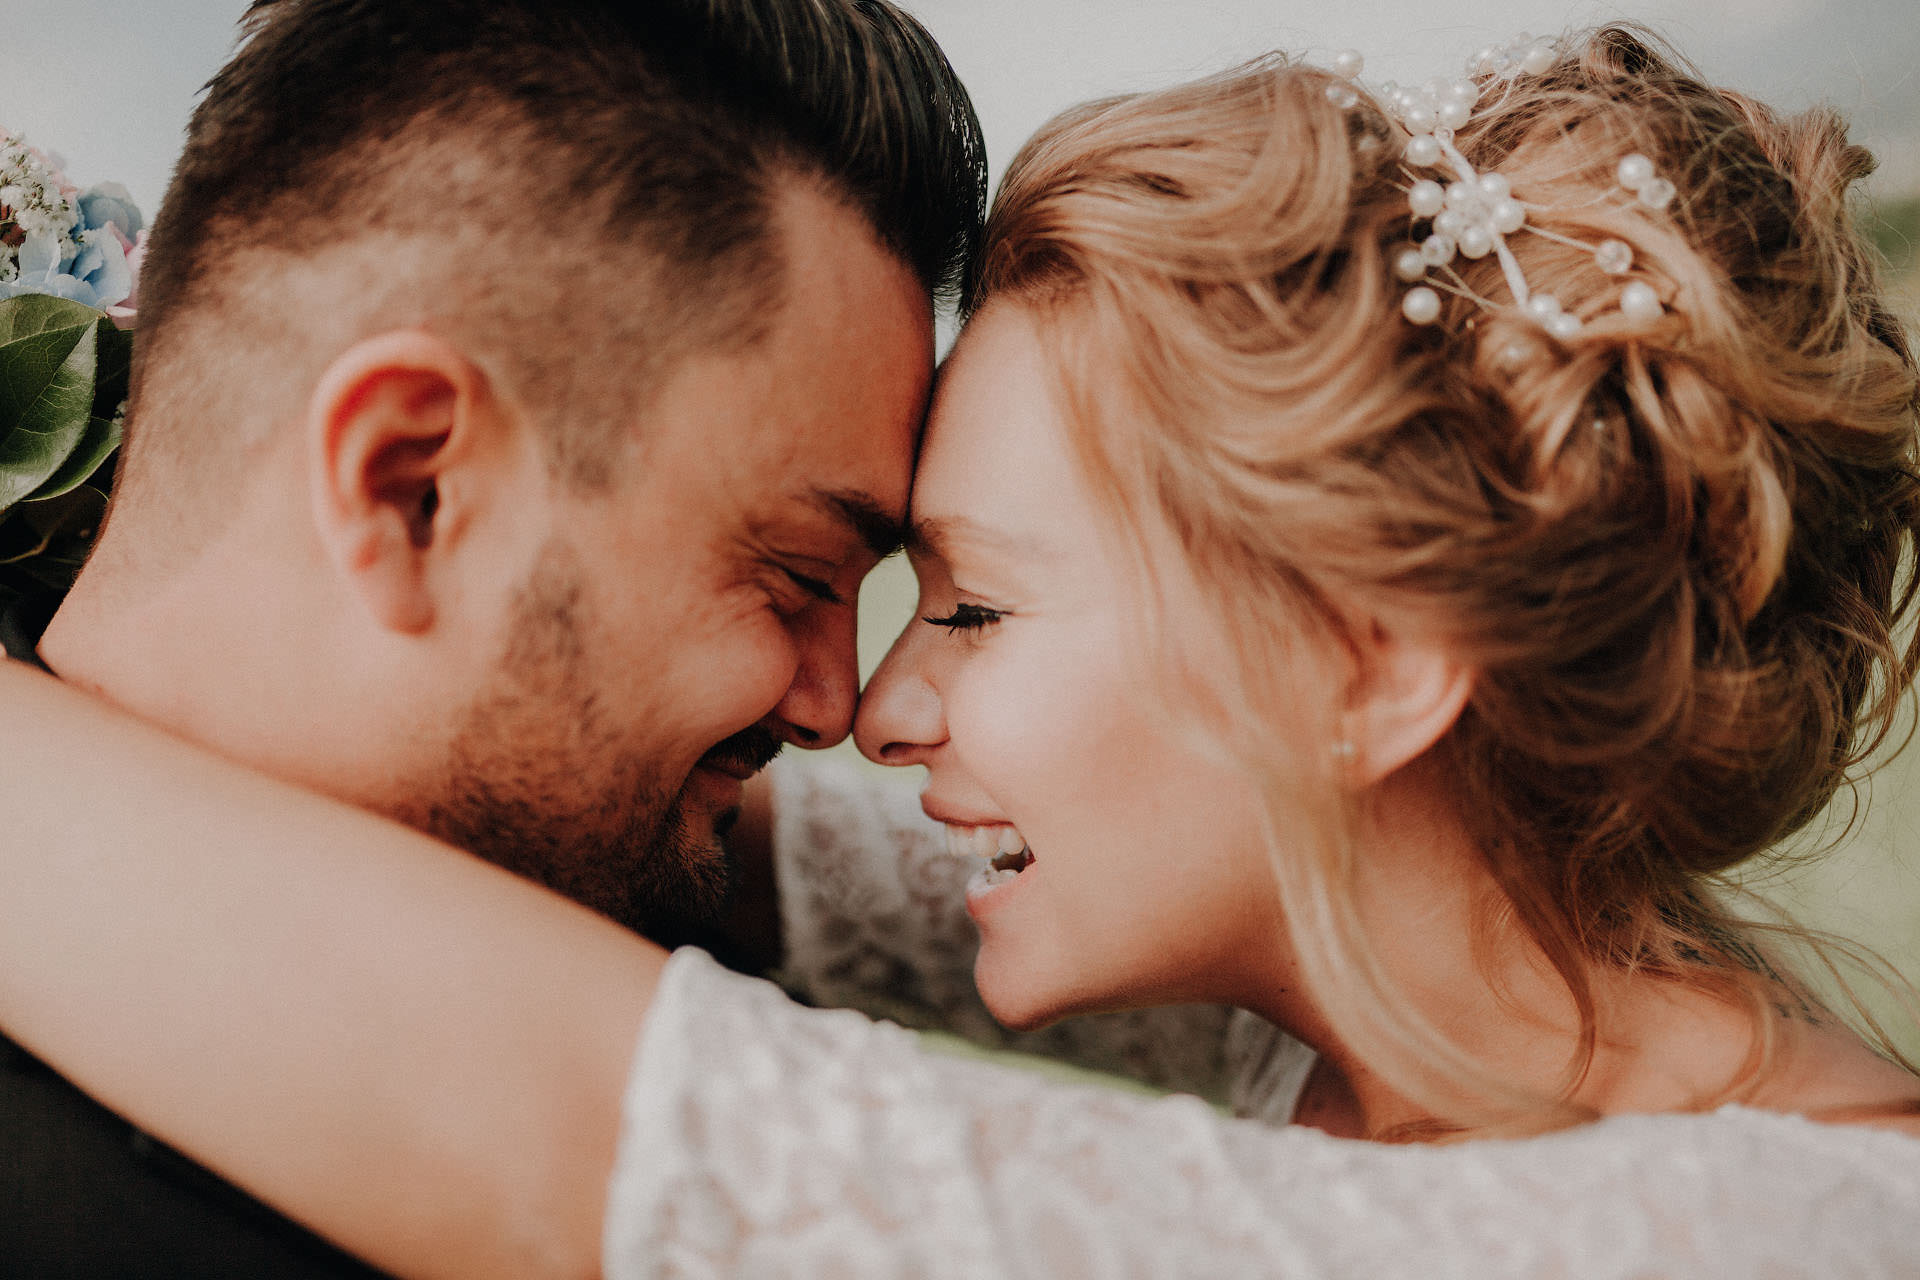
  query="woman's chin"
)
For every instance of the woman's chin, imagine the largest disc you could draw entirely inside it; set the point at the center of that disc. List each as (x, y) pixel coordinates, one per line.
(1024, 994)
(1015, 1000)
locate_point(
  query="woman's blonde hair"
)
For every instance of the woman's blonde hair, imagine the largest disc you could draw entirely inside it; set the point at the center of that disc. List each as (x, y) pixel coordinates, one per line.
(1675, 555)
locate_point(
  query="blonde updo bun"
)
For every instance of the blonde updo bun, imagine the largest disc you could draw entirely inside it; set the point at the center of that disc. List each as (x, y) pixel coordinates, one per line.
(1673, 551)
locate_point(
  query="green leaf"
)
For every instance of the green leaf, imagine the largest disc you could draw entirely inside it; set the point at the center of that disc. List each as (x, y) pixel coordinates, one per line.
(113, 361)
(32, 313)
(29, 361)
(95, 447)
(46, 402)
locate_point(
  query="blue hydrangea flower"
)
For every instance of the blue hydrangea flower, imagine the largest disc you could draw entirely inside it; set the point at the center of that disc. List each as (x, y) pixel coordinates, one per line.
(69, 245)
(96, 275)
(110, 202)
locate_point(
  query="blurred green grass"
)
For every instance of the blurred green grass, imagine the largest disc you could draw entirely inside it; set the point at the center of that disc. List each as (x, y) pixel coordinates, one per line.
(1894, 225)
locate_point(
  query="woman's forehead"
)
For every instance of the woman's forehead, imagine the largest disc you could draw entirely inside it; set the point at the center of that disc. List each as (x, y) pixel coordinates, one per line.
(997, 458)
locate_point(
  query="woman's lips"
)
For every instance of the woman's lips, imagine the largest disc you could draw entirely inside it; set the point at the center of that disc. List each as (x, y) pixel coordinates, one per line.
(1000, 844)
(996, 841)
(953, 815)
(1004, 849)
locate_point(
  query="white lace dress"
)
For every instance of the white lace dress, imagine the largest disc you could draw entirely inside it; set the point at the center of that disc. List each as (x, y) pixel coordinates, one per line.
(762, 1138)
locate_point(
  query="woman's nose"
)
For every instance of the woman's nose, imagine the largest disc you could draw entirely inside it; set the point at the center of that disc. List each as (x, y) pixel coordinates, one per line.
(900, 720)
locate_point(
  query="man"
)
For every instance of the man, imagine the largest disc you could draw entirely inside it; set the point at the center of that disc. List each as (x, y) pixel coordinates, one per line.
(523, 389)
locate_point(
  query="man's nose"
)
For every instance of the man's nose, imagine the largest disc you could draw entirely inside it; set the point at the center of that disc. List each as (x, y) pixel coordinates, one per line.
(817, 710)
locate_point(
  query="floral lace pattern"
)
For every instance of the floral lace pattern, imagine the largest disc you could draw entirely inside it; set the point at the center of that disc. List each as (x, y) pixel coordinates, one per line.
(764, 1139)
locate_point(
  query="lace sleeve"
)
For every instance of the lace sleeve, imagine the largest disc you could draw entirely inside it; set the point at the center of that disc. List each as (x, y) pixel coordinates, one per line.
(873, 910)
(764, 1139)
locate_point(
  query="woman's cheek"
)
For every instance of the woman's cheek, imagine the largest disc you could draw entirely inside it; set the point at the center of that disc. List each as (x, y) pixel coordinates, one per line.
(986, 724)
(1018, 713)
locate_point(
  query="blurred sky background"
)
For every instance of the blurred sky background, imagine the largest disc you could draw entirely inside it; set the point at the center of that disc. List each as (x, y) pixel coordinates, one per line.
(108, 84)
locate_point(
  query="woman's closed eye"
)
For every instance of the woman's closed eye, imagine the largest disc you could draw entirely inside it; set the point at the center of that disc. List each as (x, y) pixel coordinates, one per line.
(967, 617)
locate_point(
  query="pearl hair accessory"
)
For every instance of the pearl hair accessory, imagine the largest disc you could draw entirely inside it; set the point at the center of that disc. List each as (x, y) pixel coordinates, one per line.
(1472, 214)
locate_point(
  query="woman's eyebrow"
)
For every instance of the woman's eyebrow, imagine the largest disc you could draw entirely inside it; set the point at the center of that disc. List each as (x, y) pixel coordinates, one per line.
(940, 535)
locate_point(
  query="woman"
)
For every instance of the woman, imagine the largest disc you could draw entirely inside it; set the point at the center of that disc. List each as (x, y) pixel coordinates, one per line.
(1399, 668)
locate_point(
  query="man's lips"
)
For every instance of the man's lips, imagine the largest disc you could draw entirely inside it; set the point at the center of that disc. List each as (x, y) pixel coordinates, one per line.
(744, 754)
(732, 768)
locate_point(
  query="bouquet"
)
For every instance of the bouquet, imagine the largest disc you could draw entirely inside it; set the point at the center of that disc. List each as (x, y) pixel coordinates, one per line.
(69, 264)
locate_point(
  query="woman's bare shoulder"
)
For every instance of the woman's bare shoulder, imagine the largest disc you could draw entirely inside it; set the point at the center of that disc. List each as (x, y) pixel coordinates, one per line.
(1836, 1078)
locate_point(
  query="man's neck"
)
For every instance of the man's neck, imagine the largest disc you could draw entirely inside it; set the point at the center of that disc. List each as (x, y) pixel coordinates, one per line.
(227, 655)
(130, 649)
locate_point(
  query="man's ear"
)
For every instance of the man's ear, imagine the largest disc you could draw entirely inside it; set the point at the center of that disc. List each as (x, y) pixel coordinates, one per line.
(386, 421)
(1407, 691)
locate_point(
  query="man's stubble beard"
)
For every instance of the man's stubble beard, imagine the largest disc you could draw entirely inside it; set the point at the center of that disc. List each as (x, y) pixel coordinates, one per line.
(536, 781)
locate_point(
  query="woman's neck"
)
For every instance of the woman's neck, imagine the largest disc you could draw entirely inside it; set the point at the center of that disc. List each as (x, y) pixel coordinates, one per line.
(1465, 966)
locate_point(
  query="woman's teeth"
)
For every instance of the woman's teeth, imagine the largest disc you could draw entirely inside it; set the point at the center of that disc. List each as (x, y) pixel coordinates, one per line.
(1004, 847)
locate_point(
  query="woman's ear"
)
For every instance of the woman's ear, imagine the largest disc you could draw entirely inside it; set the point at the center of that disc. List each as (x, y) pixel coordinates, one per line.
(387, 421)
(1407, 691)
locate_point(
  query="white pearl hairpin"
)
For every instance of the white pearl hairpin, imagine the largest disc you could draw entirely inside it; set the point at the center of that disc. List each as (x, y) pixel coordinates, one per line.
(1421, 305)
(1472, 215)
(1347, 65)
(1521, 54)
(1636, 174)
(1640, 304)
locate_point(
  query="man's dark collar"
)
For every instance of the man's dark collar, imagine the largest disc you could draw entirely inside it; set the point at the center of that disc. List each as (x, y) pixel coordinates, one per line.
(23, 620)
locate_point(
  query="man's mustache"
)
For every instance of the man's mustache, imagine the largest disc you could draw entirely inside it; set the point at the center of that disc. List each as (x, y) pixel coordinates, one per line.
(748, 751)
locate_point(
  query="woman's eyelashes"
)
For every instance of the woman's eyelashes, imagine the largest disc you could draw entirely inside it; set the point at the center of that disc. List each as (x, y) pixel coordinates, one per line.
(967, 617)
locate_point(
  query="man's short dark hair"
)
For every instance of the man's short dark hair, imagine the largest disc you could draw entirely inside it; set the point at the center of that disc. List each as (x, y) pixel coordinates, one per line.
(593, 178)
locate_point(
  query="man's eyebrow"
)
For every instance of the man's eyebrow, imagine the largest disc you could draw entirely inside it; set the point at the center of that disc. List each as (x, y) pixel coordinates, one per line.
(882, 533)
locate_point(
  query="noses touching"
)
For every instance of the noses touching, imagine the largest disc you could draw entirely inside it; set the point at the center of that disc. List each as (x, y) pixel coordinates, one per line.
(899, 719)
